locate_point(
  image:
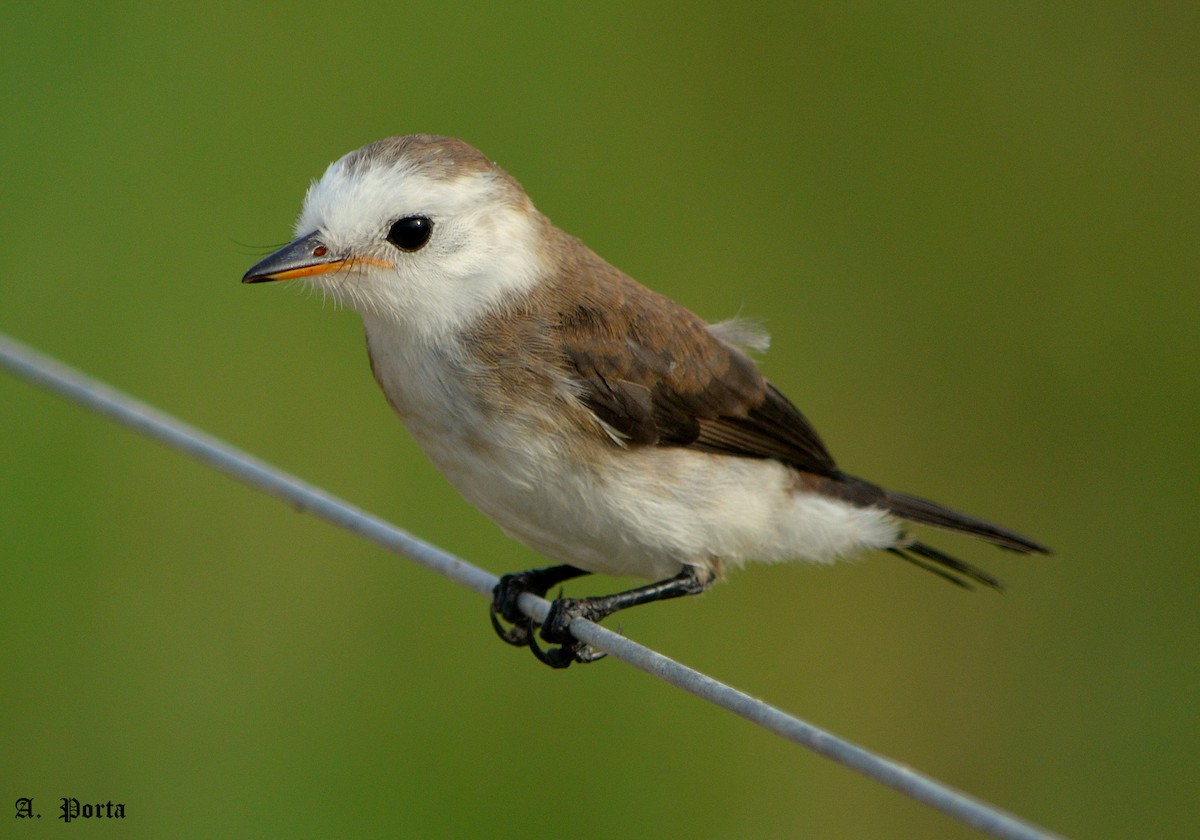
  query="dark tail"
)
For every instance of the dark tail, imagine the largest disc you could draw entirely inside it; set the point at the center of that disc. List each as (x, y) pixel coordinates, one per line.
(913, 509)
(931, 513)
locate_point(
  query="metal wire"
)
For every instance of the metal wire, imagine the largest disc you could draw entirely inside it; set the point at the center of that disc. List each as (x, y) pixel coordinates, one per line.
(72, 384)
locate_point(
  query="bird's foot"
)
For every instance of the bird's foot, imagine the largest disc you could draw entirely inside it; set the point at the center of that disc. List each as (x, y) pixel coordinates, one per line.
(504, 607)
(505, 597)
(556, 629)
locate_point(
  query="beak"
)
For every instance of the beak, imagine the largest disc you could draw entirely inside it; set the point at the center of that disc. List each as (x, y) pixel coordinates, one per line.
(306, 257)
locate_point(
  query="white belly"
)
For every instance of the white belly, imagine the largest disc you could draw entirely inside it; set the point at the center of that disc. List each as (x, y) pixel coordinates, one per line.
(583, 500)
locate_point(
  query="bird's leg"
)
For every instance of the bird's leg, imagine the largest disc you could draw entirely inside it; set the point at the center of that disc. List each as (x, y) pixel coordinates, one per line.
(556, 629)
(508, 591)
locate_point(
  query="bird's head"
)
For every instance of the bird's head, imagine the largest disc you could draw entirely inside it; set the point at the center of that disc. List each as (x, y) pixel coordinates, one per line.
(421, 230)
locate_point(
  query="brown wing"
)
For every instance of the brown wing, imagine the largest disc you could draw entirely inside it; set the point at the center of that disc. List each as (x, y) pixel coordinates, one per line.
(653, 371)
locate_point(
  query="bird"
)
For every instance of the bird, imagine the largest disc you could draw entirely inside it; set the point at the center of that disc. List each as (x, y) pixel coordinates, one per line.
(598, 422)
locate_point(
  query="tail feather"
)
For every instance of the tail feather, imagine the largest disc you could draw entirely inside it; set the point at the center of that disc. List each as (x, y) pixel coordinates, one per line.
(931, 513)
(925, 512)
(944, 566)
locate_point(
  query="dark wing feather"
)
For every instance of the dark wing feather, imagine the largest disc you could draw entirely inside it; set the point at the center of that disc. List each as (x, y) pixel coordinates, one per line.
(653, 372)
(773, 428)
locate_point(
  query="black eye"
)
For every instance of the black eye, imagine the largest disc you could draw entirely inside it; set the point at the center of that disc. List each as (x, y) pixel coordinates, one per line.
(410, 233)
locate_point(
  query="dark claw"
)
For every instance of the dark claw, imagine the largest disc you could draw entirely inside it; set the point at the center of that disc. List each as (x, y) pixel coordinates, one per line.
(555, 657)
(557, 630)
(518, 635)
(504, 606)
(506, 594)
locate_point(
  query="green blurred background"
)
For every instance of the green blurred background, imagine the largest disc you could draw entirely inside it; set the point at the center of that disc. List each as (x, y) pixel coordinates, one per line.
(973, 233)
